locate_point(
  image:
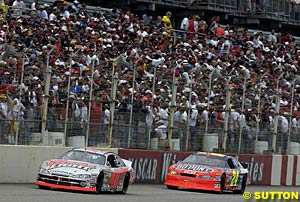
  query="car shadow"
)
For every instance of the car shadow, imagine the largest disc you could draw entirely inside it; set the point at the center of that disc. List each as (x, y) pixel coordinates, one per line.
(201, 191)
(82, 192)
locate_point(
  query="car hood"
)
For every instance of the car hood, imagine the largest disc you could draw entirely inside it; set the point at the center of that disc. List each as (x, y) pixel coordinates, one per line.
(69, 167)
(195, 167)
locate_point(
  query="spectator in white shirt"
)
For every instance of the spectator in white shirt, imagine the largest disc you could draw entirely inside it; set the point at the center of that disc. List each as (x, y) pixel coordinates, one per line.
(34, 5)
(184, 27)
(52, 16)
(18, 5)
(283, 135)
(192, 123)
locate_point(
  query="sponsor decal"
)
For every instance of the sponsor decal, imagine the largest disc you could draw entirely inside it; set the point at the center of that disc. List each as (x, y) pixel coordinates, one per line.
(64, 163)
(198, 168)
(257, 171)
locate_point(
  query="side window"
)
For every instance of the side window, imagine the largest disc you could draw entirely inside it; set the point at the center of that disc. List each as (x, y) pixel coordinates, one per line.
(119, 162)
(111, 160)
(231, 164)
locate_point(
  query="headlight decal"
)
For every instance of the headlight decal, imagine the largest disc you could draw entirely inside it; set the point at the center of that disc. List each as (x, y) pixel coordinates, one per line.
(81, 176)
(173, 172)
(205, 177)
(218, 178)
(44, 171)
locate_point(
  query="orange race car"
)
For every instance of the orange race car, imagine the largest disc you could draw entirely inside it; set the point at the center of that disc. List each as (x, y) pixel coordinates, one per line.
(208, 171)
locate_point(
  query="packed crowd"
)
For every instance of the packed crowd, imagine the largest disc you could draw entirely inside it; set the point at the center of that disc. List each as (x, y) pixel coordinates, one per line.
(195, 54)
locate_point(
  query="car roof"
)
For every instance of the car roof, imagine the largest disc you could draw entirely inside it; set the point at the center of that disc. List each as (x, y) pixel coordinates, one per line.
(94, 150)
(212, 154)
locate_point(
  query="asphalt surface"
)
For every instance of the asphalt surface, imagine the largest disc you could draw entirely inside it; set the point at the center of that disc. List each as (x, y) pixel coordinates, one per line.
(136, 193)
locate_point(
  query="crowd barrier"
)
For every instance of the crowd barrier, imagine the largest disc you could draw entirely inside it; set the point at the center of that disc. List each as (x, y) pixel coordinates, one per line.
(75, 134)
(19, 164)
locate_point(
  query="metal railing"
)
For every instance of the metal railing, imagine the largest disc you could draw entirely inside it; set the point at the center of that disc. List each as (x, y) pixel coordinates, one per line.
(143, 136)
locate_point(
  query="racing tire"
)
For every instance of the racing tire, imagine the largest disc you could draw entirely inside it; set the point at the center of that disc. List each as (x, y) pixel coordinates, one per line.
(43, 187)
(172, 187)
(243, 187)
(99, 183)
(222, 183)
(125, 184)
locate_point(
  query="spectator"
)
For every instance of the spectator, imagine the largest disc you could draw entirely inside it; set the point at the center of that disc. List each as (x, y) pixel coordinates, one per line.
(3, 118)
(18, 7)
(34, 4)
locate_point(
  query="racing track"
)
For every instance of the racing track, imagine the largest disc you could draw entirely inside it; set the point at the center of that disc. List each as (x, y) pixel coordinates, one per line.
(136, 193)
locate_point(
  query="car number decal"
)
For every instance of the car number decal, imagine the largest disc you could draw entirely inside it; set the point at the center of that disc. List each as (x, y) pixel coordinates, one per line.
(235, 177)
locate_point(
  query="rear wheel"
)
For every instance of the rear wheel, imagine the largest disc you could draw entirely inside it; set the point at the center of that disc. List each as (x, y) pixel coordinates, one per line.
(99, 183)
(172, 187)
(125, 184)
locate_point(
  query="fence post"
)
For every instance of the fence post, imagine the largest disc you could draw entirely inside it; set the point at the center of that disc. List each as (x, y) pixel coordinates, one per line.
(46, 95)
(242, 110)
(20, 99)
(291, 112)
(112, 107)
(90, 103)
(227, 109)
(278, 96)
(258, 118)
(172, 110)
(189, 114)
(131, 109)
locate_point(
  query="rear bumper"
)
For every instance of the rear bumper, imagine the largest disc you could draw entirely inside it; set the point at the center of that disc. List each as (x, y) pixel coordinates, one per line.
(57, 186)
(192, 183)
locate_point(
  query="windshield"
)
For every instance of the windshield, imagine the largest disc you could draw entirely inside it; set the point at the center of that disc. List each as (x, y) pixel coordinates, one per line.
(84, 156)
(215, 161)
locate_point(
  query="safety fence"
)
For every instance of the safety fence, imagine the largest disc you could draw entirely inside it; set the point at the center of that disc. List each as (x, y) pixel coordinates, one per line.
(60, 132)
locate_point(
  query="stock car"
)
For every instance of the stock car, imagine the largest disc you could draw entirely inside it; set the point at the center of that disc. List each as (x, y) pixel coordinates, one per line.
(208, 171)
(86, 169)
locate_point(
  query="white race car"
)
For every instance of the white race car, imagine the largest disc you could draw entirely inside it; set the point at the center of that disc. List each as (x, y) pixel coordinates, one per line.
(87, 169)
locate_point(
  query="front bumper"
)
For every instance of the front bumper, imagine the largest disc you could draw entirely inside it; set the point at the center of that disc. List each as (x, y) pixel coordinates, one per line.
(192, 182)
(57, 186)
(59, 182)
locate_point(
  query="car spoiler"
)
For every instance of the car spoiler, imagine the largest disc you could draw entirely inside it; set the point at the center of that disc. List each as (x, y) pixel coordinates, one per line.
(127, 163)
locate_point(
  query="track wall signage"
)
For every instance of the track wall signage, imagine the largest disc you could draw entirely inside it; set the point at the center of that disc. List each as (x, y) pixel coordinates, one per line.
(152, 166)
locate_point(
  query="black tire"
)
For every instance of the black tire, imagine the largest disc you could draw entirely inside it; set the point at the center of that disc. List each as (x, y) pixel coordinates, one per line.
(99, 183)
(125, 184)
(222, 183)
(172, 187)
(43, 187)
(243, 186)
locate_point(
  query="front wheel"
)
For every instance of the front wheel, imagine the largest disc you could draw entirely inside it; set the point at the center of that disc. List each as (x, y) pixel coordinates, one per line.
(242, 190)
(172, 187)
(99, 183)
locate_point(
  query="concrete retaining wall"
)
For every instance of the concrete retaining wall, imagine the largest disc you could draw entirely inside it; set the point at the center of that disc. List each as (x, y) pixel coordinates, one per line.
(19, 164)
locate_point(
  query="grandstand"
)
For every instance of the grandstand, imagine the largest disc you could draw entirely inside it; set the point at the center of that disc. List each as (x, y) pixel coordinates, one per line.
(121, 78)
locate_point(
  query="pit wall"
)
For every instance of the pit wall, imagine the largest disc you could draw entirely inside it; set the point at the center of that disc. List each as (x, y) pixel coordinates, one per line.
(19, 164)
